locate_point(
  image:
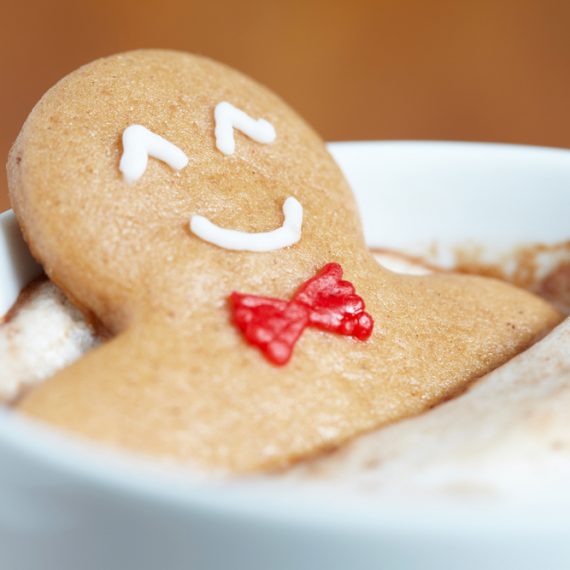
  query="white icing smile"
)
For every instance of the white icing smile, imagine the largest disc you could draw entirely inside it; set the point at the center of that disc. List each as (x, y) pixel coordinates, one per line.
(288, 234)
(138, 144)
(229, 118)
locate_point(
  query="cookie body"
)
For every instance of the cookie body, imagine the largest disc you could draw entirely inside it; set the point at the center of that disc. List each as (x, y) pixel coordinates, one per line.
(177, 379)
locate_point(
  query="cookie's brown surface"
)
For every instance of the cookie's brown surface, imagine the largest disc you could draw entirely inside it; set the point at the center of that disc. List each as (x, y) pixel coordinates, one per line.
(178, 379)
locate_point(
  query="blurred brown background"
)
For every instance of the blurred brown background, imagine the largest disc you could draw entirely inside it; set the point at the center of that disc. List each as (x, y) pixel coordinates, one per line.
(410, 69)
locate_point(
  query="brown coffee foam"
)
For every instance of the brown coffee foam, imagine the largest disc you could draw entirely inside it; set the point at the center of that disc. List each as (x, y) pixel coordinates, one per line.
(539, 267)
(543, 269)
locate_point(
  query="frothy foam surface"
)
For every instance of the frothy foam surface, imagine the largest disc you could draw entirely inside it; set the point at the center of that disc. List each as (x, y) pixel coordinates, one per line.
(44, 334)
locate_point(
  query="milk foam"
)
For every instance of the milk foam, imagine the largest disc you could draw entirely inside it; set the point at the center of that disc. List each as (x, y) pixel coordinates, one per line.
(45, 333)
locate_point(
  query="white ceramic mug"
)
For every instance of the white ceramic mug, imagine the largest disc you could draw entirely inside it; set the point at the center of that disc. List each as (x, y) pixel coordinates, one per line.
(65, 505)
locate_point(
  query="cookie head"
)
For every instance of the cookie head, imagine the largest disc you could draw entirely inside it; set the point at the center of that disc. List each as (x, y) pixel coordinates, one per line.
(152, 160)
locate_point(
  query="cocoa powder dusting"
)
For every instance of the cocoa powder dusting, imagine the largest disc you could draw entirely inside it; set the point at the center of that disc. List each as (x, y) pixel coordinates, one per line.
(540, 268)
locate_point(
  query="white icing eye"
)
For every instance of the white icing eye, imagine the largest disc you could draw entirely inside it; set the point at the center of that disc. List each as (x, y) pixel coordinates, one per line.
(288, 234)
(229, 118)
(138, 144)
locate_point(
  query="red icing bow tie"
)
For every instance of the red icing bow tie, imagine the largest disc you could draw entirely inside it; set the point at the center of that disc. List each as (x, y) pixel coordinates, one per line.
(325, 302)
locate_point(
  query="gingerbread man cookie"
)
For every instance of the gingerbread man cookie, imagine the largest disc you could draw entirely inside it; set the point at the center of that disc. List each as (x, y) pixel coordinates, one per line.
(197, 218)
